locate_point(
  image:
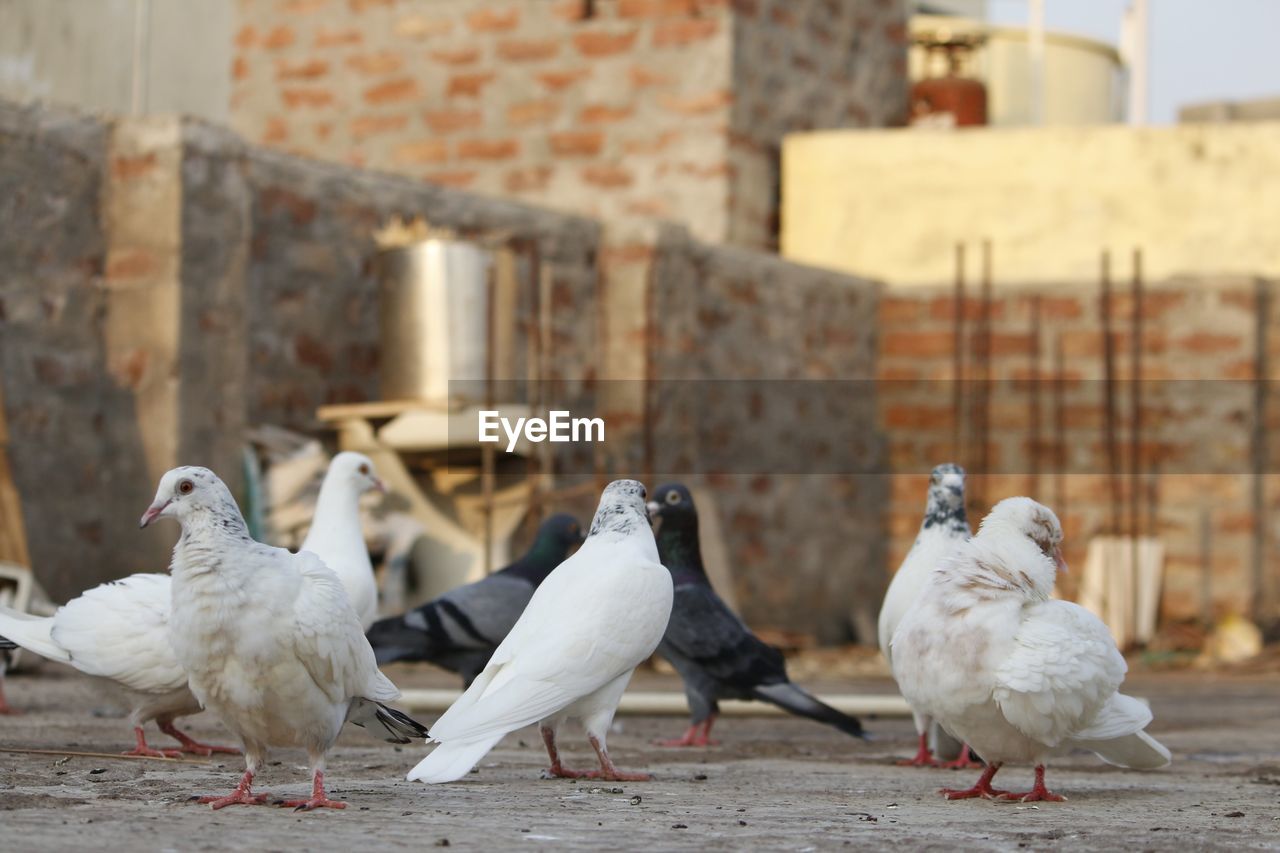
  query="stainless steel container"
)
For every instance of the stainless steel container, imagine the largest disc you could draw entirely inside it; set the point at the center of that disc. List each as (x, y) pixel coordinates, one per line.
(433, 317)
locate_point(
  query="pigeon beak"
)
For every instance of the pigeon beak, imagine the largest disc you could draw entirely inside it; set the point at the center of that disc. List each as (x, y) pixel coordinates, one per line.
(654, 508)
(152, 513)
(379, 485)
(1059, 560)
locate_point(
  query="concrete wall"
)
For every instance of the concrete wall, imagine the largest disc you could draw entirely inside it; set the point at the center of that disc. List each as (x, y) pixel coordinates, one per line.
(125, 56)
(165, 285)
(615, 108)
(892, 204)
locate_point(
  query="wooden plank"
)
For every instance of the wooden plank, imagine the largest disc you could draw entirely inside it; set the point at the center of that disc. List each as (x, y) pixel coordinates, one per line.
(13, 535)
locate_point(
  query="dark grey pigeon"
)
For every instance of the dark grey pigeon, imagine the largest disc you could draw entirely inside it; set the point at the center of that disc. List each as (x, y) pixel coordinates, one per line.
(460, 630)
(713, 650)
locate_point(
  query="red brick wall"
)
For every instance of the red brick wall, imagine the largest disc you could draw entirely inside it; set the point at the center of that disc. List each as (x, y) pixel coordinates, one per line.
(1198, 353)
(611, 108)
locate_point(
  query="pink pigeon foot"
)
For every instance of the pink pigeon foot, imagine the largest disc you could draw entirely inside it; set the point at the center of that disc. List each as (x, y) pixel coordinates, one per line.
(148, 752)
(923, 758)
(1038, 793)
(965, 761)
(241, 796)
(6, 709)
(982, 788)
(698, 734)
(194, 747)
(319, 800)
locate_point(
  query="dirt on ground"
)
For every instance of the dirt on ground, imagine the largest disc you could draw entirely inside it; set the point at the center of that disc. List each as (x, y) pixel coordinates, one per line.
(770, 783)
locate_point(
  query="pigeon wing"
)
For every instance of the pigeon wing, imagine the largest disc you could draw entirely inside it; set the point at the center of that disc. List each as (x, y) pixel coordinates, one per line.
(329, 641)
(705, 631)
(1063, 670)
(120, 631)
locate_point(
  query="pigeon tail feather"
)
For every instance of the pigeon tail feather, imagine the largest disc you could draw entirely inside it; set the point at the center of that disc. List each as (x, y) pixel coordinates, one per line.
(33, 633)
(449, 762)
(384, 722)
(791, 698)
(1138, 751)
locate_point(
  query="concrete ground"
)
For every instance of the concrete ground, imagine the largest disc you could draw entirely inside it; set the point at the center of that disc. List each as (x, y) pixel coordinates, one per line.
(770, 784)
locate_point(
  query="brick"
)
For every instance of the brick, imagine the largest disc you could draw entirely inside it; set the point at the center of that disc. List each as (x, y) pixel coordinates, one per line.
(366, 126)
(278, 38)
(595, 43)
(1207, 342)
(707, 102)
(608, 177)
(651, 144)
(450, 121)
(375, 63)
(276, 131)
(532, 112)
(306, 98)
(459, 179)
(527, 179)
(493, 20)
(642, 77)
(246, 37)
(915, 345)
(528, 50)
(312, 353)
(425, 151)
(914, 416)
(403, 89)
(469, 85)
(488, 149)
(684, 32)
(240, 68)
(576, 143)
(338, 37)
(301, 7)
(130, 264)
(944, 308)
(654, 207)
(131, 168)
(418, 27)
(560, 80)
(572, 10)
(899, 309)
(456, 55)
(1060, 308)
(604, 114)
(655, 8)
(308, 69)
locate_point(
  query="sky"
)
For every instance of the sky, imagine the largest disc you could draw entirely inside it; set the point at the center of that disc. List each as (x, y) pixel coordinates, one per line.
(1200, 50)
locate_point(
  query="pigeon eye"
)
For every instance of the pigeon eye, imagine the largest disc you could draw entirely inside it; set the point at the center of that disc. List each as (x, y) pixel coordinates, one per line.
(186, 487)
(673, 498)
(364, 469)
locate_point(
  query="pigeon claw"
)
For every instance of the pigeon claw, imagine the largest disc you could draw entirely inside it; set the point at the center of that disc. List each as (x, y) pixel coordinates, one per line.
(235, 798)
(313, 803)
(1038, 793)
(982, 788)
(923, 757)
(964, 761)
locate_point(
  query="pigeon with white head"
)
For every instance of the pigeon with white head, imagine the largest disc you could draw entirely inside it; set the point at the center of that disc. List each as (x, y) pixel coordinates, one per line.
(1018, 675)
(269, 639)
(571, 653)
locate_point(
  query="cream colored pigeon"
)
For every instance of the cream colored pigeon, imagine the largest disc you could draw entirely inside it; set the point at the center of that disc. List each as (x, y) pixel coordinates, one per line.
(1018, 675)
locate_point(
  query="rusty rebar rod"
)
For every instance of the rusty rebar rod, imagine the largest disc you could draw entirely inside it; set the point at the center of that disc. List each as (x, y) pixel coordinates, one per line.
(957, 360)
(1109, 395)
(1033, 397)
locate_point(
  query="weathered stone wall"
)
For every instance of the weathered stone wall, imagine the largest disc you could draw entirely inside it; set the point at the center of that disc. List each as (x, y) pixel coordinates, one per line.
(1199, 356)
(610, 108)
(805, 65)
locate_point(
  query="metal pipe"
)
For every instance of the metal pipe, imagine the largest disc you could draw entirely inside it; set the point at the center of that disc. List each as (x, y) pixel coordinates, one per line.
(957, 360)
(1263, 605)
(661, 703)
(1033, 396)
(1109, 394)
(1059, 429)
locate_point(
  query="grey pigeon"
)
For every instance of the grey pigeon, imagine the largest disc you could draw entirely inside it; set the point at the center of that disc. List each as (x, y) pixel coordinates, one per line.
(460, 630)
(715, 653)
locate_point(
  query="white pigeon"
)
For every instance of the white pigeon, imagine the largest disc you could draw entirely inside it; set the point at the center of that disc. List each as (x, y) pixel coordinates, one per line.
(337, 536)
(944, 527)
(1019, 676)
(119, 632)
(269, 639)
(571, 653)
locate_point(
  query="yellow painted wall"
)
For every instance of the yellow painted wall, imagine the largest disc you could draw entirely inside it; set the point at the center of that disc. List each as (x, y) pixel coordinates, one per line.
(892, 204)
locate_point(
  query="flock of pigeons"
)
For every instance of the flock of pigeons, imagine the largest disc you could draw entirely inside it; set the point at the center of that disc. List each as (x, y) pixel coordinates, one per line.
(283, 646)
